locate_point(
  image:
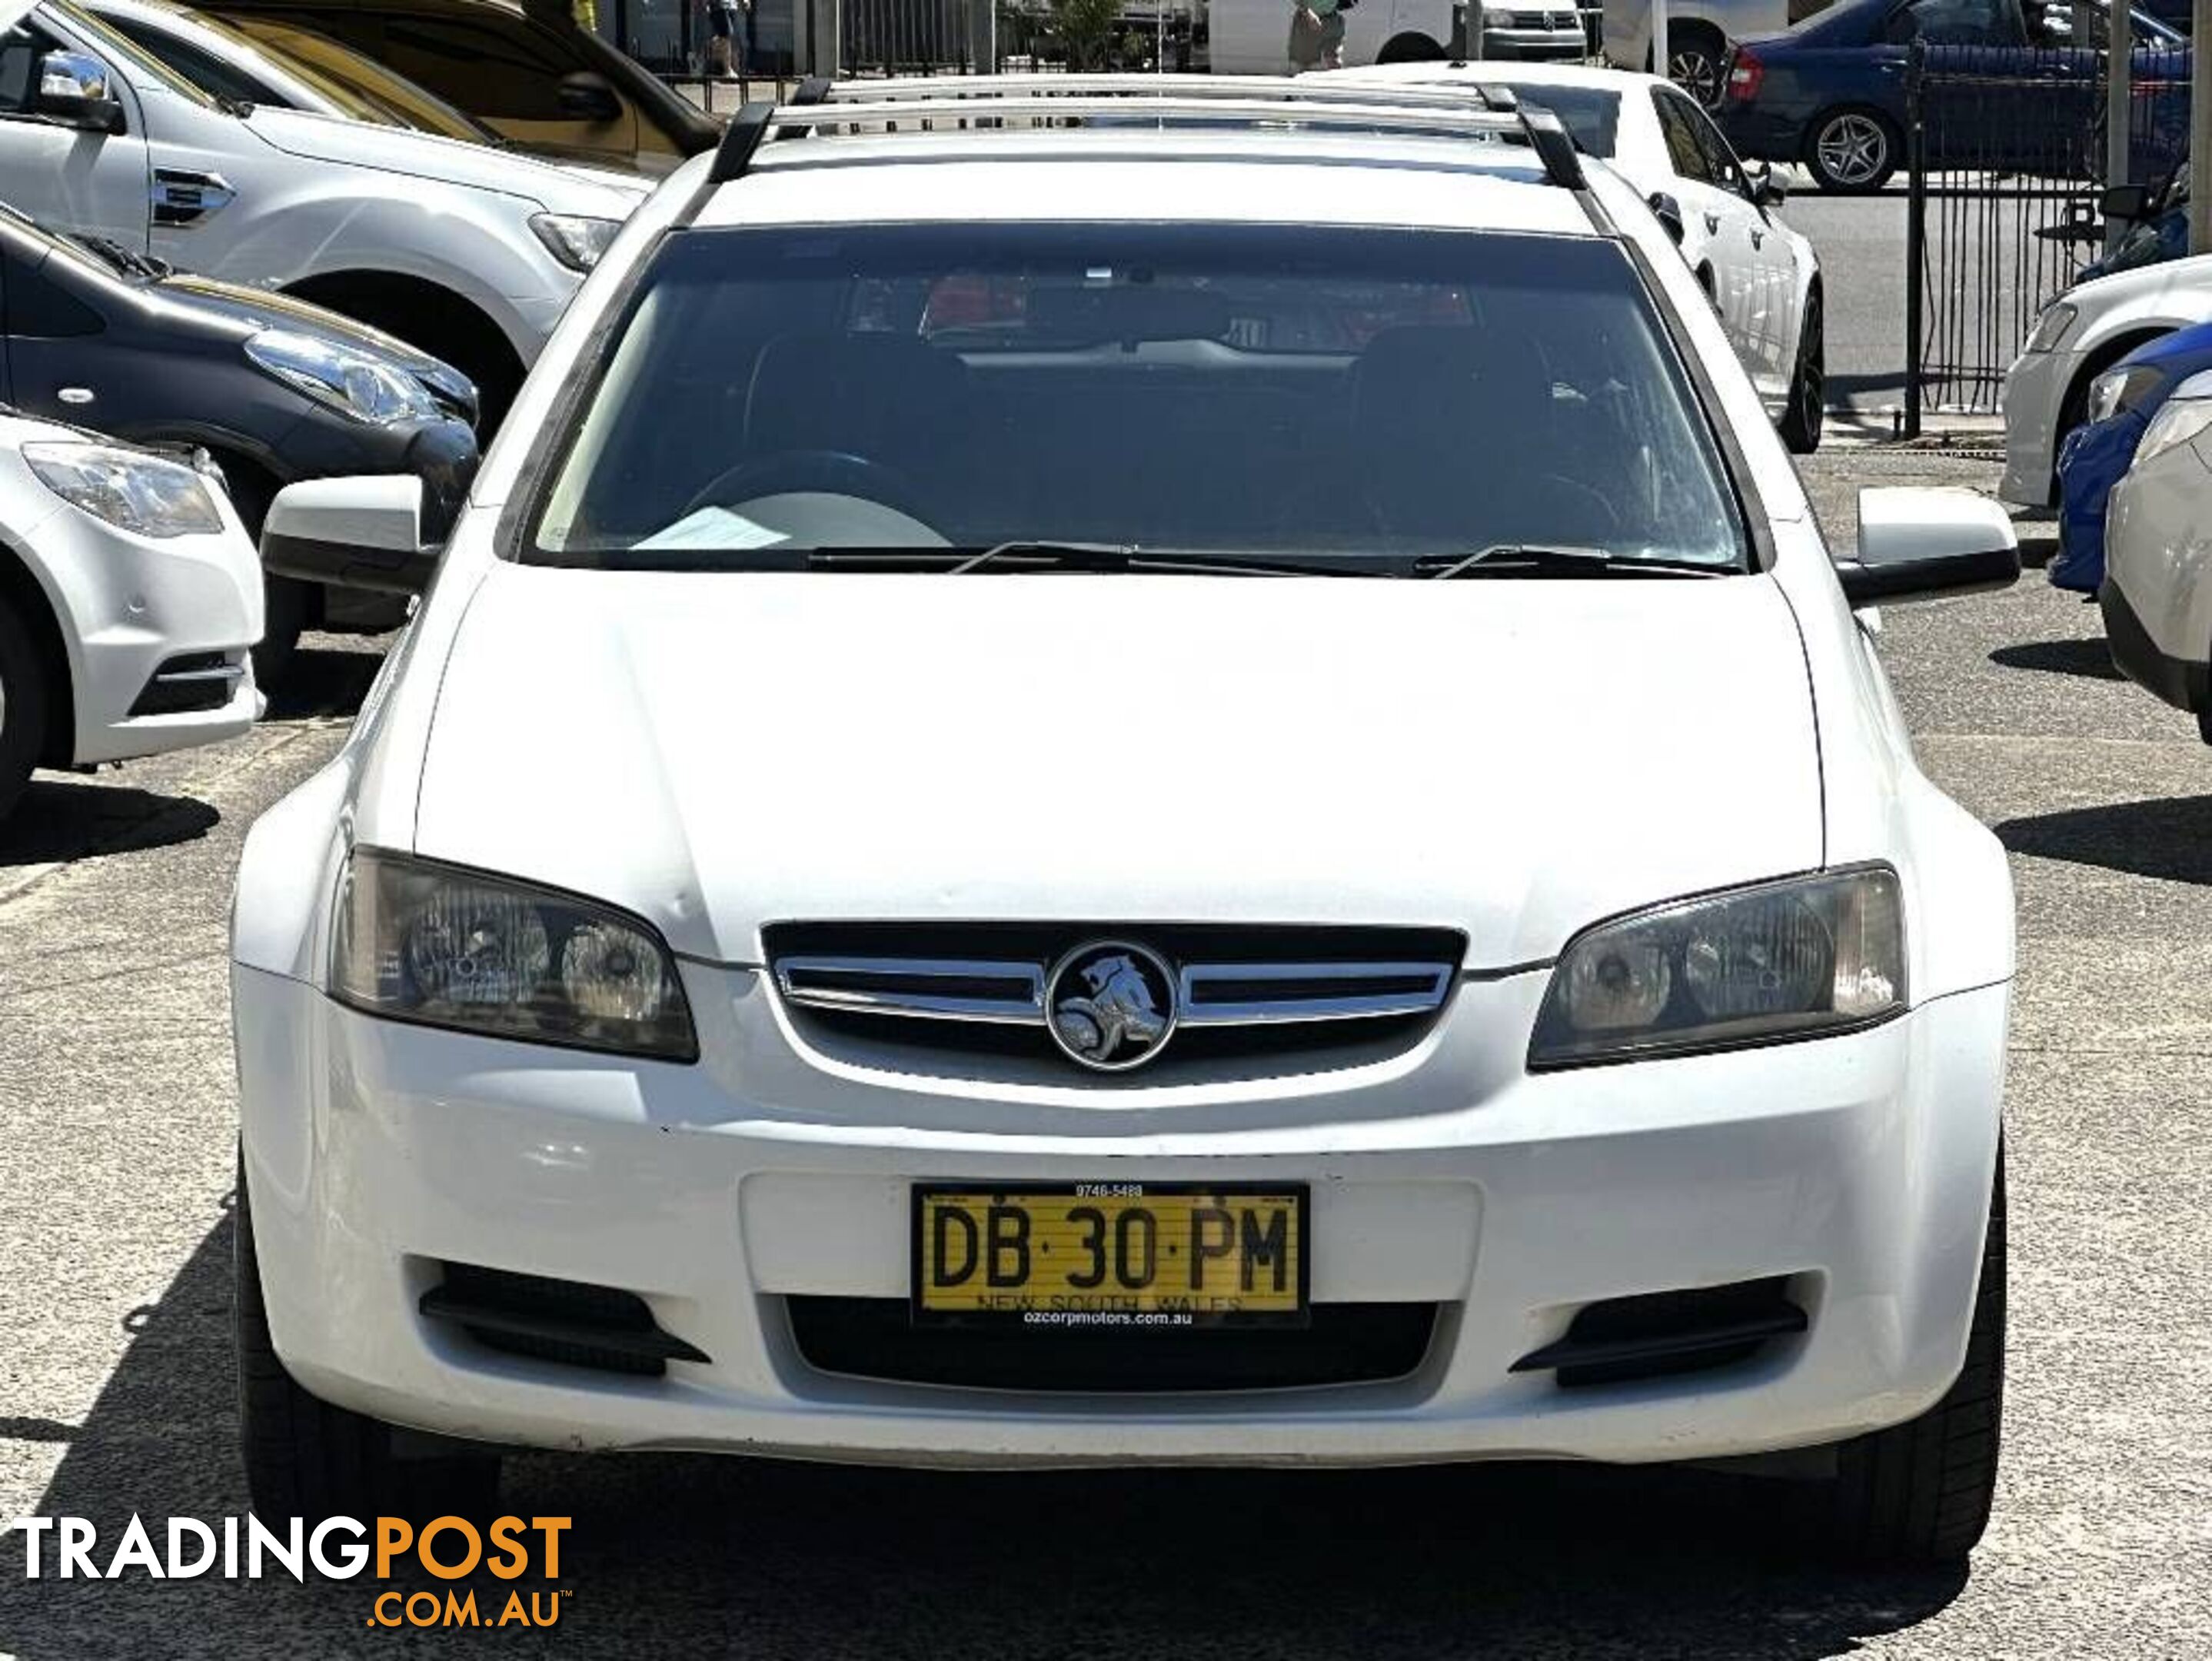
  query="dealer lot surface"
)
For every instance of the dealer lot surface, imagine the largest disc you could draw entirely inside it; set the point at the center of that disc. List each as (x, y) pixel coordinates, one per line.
(117, 1108)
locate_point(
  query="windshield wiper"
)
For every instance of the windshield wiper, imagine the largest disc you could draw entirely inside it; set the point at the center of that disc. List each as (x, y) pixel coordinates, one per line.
(1135, 557)
(128, 261)
(1534, 559)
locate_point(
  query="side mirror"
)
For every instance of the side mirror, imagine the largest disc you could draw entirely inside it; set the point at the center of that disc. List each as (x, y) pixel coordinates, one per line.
(1766, 190)
(356, 532)
(584, 96)
(2124, 201)
(73, 90)
(1668, 212)
(1918, 543)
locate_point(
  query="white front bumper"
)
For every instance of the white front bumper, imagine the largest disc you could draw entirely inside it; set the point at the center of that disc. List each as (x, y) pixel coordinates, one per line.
(2157, 551)
(2034, 391)
(131, 604)
(1859, 1165)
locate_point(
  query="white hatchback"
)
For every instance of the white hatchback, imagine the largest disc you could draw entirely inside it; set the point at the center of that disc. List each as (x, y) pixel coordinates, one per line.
(129, 598)
(1132, 771)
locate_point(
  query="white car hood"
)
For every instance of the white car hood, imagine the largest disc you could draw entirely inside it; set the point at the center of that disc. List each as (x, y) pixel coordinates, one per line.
(2178, 287)
(1515, 759)
(555, 186)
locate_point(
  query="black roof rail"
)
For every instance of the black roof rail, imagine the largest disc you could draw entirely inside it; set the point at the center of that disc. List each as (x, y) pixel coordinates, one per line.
(1544, 132)
(1554, 146)
(746, 129)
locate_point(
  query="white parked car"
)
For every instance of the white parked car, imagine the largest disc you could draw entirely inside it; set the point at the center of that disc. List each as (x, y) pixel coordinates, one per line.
(130, 600)
(466, 251)
(1763, 277)
(2076, 338)
(848, 930)
(2158, 546)
(1698, 35)
(1252, 37)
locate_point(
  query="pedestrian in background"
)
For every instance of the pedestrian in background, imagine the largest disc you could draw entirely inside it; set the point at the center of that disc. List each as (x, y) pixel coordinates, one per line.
(1317, 35)
(725, 19)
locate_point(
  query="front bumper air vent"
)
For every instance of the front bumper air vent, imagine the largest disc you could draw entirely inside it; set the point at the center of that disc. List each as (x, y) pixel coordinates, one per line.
(569, 1321)
(1662, 1334)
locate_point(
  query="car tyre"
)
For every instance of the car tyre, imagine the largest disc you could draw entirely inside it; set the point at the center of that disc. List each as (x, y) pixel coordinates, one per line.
(22, 706)
(284, 603)
(1852, 151)
(1809, 387)
(1918, 1494)
(307, 1458)
(1696, 60)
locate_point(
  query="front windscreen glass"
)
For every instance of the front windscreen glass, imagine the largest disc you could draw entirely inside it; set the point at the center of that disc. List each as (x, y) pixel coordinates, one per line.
(1369, 399)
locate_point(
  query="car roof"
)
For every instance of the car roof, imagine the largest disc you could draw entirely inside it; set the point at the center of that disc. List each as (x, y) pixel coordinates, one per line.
(1107, 175)
(1243, 150)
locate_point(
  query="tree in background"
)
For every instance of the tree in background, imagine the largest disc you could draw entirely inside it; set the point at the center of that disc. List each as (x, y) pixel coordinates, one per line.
(1083, 27)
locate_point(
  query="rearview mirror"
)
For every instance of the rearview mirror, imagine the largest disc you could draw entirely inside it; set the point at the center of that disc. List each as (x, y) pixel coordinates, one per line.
(584, 96)
(1668, 212)
(1766, 190)
(2124, 201)
(356, 532)
(73, 90)
(1919, 543)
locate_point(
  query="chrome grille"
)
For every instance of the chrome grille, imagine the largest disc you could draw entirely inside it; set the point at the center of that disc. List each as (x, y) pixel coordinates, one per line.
(996, 979)
(942, 989)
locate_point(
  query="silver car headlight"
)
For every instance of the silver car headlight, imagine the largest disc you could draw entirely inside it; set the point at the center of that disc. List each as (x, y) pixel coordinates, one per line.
(352, 383)
(575, 241)
(2118, 390)
(2050, 326)
(148, 494)
(2178, 422)
(443, 947)
(1799, 958)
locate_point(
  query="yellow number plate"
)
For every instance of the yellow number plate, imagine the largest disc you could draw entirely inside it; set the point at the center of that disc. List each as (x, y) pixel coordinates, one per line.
(1111, 1255)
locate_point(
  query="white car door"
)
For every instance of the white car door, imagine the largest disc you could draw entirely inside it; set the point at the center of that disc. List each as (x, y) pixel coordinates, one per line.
(1772, 324)
(68, 177)
(195, 156)
(1717, 228)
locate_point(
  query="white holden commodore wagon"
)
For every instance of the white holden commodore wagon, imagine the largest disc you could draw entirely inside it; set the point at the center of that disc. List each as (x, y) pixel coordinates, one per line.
(1161, 773)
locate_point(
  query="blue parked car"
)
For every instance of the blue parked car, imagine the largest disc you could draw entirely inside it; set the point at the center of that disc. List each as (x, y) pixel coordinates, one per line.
(1830, 93)
(2094, 456)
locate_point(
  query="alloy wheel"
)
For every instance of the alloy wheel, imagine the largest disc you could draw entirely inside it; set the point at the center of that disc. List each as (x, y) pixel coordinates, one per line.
(1853, 148)
(1696, 71)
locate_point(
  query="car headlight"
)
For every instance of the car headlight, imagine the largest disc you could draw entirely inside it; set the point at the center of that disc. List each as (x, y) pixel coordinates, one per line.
(1791, 959)
(1495, 18)
(432, 944)
(575, 241)
(2050, 326)
(2178, 421)
(148, 494)
(2118, 390)
(352, 383)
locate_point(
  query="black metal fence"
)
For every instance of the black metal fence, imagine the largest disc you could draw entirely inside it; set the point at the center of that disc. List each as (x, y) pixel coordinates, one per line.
(2006, 163)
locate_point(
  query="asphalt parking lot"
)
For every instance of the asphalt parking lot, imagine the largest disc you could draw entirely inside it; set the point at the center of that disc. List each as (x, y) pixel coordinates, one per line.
(115, 1383)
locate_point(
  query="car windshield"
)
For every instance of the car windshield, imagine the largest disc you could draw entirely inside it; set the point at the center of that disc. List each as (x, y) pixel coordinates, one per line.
(1374, 401)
